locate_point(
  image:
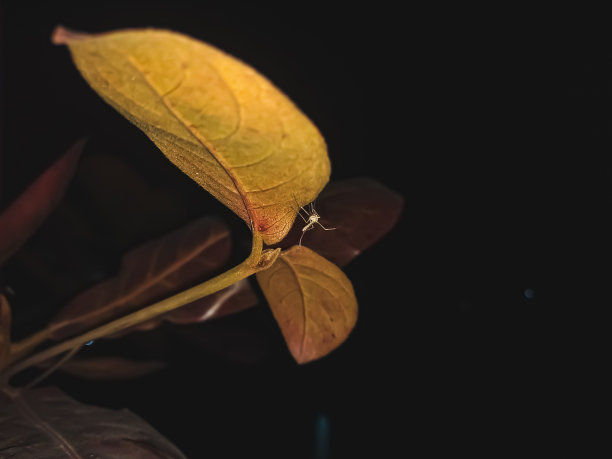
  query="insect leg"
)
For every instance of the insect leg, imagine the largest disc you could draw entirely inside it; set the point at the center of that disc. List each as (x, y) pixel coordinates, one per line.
(326, 229)
(300, 214)
(306, 228)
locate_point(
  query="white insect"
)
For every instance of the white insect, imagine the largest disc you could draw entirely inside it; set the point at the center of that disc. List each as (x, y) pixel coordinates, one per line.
(313, 218)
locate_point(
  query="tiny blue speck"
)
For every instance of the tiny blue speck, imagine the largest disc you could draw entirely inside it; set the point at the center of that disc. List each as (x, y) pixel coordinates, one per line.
(89, 343)
(529, 293)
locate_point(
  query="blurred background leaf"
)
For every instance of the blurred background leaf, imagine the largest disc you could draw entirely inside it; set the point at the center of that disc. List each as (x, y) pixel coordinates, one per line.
(24, 215)
(107, 368)
(151, 272)
(47, 423)
(5, 329)
(362, 210)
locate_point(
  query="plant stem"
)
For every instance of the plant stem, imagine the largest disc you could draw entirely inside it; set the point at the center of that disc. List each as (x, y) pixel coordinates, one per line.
(53, 367)
(23, 347)
(256, 261)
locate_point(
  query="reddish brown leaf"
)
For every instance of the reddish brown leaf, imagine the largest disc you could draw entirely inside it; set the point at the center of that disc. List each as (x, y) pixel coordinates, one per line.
(362, 210)
(149, 273)
(31, 208)
(108, 368)
(5, 330)
(312, 300)
(244, 340)
(48, 424)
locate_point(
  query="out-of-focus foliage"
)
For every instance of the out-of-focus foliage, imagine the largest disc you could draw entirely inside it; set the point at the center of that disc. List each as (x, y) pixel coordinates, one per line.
(47, 423)
(31, 208)
(149, 273)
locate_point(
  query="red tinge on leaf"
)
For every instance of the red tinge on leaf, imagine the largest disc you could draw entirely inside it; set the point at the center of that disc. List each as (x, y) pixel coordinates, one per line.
(19, 221)
(62, 36)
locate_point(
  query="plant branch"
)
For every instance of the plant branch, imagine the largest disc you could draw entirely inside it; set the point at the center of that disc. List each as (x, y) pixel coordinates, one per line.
(53, 367)
(23, 347)
(255, 262)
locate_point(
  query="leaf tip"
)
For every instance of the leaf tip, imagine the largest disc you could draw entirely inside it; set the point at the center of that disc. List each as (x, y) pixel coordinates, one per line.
(70, 159)
(77, 147)
(63, 36)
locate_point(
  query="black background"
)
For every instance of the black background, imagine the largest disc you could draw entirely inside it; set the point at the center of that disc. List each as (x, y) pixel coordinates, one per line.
(494, 126)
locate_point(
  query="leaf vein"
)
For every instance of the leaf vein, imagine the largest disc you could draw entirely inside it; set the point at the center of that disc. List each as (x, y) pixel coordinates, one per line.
(302, 294)
(196, 135)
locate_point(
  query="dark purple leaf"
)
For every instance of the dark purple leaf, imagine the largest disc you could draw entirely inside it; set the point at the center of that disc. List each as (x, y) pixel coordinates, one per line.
(242, 340)
(47, 424)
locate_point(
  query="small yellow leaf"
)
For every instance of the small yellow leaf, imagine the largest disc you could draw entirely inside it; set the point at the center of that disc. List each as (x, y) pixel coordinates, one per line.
(5, 330)
(216, 118)
(312, 300)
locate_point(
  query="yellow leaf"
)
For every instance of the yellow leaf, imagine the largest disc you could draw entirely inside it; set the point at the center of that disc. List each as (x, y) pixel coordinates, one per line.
(312, 300)
(216, 118)
(5, 330)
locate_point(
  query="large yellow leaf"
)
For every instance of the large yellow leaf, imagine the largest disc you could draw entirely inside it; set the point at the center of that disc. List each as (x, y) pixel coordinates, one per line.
(216, 118)
(312, 300)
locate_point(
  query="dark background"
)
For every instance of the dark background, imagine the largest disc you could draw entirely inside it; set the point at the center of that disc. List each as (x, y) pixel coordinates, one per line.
(494, 126)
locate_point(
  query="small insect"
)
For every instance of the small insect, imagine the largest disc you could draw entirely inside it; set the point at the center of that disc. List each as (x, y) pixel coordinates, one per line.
(313, 218)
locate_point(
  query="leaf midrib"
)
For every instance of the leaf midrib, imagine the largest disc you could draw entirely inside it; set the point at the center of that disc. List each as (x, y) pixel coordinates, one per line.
(303, 295)
(196, 134)
(28, 413)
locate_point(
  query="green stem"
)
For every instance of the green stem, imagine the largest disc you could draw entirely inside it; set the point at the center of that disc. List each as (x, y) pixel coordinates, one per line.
(256, 261)
(23, 347)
